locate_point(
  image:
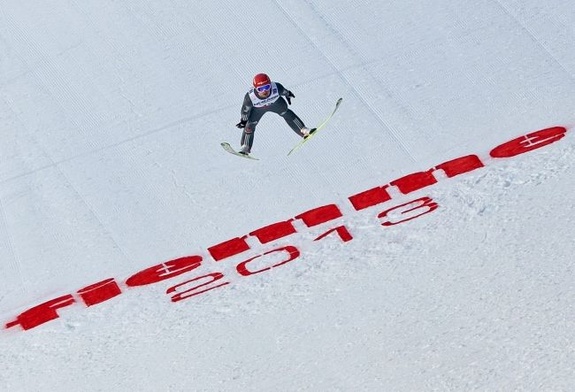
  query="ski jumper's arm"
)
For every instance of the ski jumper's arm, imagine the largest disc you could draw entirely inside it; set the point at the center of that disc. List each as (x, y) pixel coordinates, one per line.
(247, 107)
(284, 92)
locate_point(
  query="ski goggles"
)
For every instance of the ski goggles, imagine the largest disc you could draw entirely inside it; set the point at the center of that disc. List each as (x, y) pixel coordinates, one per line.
(263, 88)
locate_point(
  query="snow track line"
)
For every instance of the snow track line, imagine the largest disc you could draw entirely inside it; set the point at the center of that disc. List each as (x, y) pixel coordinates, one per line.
(55, 165)
(14, 261)
(534, 38)
(395, 135)
(83, 201)
(114, 145)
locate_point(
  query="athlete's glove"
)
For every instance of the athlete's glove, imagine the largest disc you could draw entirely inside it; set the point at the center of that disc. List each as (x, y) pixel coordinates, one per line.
(289, 96)
(241, 124)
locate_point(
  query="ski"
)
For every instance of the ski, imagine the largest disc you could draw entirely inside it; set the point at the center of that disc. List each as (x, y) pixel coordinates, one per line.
(317, 129)
(226, 146)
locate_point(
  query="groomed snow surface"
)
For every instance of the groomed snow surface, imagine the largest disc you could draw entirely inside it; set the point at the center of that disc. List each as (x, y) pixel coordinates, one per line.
(422, 241)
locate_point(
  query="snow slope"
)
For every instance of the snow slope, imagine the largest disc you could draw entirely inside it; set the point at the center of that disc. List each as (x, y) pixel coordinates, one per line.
(111, 114)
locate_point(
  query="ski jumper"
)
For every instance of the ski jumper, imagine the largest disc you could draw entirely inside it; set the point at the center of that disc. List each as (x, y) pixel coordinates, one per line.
(255, 107)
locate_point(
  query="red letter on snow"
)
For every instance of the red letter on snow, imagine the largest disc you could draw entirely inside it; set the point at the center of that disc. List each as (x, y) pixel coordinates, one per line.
(42, 313)
(528, 142)
(164, 271)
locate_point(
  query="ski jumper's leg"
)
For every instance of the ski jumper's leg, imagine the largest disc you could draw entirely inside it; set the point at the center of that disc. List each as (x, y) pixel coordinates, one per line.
(247, 140)
(296, 124)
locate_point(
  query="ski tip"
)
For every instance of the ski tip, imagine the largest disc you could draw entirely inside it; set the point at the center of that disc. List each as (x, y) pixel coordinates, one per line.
(228, 148)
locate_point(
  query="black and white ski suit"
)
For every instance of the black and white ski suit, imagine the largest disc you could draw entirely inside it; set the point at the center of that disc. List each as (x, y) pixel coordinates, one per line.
(255, 107)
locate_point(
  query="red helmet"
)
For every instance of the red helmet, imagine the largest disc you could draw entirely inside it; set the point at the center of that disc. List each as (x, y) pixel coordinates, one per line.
(261, 79)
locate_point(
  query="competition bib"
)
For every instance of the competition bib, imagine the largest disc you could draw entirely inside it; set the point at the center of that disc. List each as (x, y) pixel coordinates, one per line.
(262, 102)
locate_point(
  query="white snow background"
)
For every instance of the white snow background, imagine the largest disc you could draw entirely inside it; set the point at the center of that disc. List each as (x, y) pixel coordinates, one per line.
(111, 115)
